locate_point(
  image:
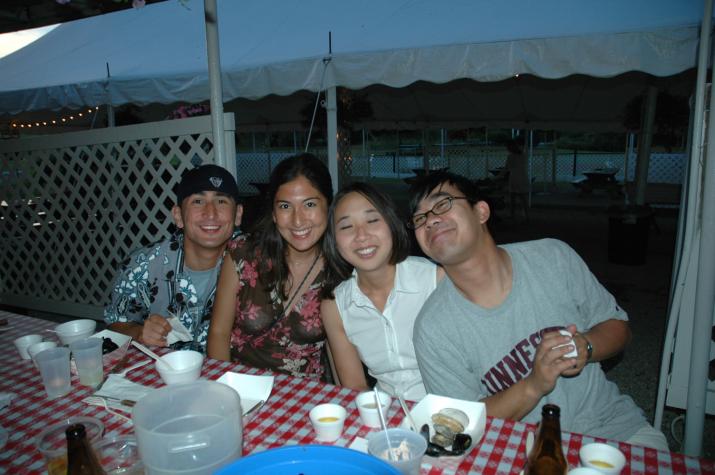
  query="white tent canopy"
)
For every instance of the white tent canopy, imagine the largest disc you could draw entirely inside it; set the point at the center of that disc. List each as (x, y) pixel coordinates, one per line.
(157, 54)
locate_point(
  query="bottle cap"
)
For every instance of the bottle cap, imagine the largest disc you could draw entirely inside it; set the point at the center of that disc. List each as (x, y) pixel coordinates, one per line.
(76, 431)
(550, 410)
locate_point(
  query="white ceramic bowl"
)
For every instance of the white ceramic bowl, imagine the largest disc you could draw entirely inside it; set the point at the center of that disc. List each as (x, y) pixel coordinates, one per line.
(35, 348)
(75, 330)
(602, 457)
(186, 366)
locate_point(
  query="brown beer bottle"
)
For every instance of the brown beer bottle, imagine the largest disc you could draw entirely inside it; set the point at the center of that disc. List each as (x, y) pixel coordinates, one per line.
(547, 456)
(81, 459)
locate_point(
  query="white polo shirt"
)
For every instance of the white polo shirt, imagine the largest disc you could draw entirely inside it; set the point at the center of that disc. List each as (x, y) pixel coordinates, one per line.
(384, 340)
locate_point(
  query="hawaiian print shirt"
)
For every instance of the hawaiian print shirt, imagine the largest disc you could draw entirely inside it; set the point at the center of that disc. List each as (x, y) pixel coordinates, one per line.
(262, 335)
(153, 280)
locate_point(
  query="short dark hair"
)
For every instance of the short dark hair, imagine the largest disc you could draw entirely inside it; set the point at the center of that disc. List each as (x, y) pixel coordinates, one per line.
(338, 269)
(267, 242)
(424, 185)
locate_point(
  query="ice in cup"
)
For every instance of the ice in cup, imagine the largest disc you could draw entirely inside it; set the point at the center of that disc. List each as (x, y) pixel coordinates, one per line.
(24, 342)
(405, 450)
(367, 407)
(328, 421)
(87, 355)
(54, 365)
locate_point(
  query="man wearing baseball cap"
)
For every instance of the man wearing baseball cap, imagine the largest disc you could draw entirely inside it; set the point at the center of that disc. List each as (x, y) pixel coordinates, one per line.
(163, 293)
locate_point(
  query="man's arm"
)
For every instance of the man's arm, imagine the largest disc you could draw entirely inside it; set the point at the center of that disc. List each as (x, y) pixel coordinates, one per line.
(518, 400)
(607, 339)
(152, 332)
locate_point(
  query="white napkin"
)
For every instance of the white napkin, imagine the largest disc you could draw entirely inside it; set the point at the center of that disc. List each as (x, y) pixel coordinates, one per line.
(6, 399)
(178, 331)
(117, 388)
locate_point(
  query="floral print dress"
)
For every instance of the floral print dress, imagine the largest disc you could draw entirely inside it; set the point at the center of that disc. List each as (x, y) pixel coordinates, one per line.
(262, 335)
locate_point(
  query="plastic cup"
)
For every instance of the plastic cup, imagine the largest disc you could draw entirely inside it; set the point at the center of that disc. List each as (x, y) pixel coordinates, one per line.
(24, 342)
(328, 421)
(407, 447)
(54, 365)
(365, 403)
(35, 348)
(119, 454)
(87, 355)
(52, 441)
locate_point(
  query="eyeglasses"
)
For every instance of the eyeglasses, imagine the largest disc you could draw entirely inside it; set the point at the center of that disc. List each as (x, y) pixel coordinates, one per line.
(440, 207)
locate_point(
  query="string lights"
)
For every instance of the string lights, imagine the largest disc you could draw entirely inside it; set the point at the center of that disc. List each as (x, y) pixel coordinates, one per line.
(56, 121)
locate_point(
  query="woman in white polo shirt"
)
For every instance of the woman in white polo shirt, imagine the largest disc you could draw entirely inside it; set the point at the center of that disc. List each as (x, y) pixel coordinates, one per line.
(373, 292)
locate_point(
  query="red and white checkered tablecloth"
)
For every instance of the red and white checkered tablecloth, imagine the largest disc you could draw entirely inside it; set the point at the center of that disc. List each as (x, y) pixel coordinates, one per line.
(283, 420)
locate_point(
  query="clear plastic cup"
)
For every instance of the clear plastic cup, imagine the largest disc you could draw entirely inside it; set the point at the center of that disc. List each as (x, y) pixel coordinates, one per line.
(119, 454)
(52, 442)
(54, 365)
(407, 449)
(87, 355)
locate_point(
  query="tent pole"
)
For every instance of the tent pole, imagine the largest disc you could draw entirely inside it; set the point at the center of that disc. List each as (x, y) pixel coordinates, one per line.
(704, 297)
(645, 144)
(331, 108)
(214, 65)
(687, 218)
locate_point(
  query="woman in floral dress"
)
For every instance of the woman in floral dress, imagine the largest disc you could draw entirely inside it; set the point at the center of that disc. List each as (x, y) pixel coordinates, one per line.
(267, 309)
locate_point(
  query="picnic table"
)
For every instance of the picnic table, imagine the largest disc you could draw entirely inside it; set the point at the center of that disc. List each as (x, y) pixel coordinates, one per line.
(283, 419)
(599, 178)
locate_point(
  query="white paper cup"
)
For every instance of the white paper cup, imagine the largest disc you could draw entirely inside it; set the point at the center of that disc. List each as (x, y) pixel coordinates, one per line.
(54, 367)
(35, 348)
(602, 457)
(24, 342)
(328, 421)
(365, 403)
(87, 355)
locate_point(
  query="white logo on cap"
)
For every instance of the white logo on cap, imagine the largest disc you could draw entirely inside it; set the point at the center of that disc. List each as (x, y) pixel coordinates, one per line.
(215, 181)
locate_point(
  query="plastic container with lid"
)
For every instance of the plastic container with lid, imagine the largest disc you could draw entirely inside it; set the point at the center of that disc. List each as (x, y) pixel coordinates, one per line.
(119, 454)
(52, 442)
(192, 428)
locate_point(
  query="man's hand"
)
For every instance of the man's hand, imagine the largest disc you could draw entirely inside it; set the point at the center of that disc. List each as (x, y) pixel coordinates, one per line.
(549, 363)
(578, 363)
(154, 330)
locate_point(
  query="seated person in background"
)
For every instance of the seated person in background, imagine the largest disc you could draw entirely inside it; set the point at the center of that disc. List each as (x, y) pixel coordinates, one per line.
(267, 311)
(489, 331)
(373, 292)
(177, 276)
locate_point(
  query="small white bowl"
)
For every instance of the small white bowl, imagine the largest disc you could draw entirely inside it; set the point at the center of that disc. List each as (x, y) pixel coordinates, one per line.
(24, 342)
(75, 330)
(367, 408)
(35, 348)
(328, 421)
(602, 457)
(186, 366)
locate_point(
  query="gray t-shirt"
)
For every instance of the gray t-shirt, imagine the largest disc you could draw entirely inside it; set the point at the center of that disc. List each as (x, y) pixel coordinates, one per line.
(470, 352)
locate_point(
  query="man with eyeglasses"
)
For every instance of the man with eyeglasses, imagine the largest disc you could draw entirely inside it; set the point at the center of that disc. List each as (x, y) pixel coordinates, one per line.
(490, 331)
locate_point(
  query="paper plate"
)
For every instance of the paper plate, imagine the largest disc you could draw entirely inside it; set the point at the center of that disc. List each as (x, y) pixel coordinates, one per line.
(250, 387)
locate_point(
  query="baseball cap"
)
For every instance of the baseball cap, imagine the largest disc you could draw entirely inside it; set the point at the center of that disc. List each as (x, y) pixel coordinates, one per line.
(206, 178)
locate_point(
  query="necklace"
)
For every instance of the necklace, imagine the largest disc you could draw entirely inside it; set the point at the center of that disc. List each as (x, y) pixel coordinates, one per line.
(288, 307)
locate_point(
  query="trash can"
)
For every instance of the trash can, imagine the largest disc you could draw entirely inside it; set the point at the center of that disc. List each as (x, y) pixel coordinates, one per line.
(628, 228)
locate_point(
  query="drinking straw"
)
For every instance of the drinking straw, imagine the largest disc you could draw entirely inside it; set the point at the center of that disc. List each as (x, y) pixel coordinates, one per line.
(378, 403)
(406, 410)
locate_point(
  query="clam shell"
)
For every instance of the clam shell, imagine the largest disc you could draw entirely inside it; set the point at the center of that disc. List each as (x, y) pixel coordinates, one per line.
(453, 419)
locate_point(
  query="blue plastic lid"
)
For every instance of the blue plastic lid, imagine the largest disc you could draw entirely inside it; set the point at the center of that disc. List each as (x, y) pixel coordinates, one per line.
(309, 460)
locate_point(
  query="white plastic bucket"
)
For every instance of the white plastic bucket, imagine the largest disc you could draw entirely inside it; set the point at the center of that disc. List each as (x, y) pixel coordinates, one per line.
(192, 428)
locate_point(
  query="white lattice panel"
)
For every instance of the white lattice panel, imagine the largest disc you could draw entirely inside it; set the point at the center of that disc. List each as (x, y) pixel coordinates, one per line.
(73, 206)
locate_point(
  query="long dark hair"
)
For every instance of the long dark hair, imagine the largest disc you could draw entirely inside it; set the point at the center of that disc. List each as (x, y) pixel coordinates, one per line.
(338, 269)
(267, 243)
